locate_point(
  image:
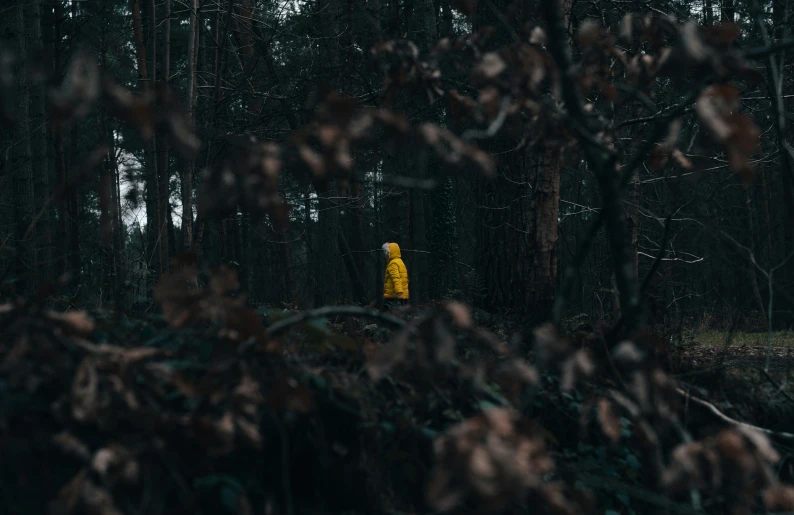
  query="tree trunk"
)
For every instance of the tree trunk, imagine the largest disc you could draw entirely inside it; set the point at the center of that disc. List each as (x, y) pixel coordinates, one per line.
(57, 143)
(443, 240)
(326, 255)
(728, 11)
(516, 257)
(751, 269)
(40, 163)
(160, 169)
(446, 25)
(187, 175)
(424, 24)
(418, 262)
(153, 250)
(107, 194)
(546, 211)
(164, 167)
(353, 247)
(74, 212)
(245, 253)
(119, 236)
(22, 170)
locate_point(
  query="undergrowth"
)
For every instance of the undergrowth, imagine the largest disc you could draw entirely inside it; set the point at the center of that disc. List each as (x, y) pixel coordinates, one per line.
(212, 407)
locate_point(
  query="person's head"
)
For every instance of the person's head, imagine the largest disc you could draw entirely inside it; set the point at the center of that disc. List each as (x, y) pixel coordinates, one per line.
(386, 251)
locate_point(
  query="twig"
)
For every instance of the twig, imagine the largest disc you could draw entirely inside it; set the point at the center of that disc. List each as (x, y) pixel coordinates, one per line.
(409, 183)
(495, 125)
(776, 385)
(658, 133)
(770, 48)
(725, 418)
(659, 256)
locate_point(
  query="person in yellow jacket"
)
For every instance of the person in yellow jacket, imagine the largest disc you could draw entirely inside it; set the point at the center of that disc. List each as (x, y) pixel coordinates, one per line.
(395, 281)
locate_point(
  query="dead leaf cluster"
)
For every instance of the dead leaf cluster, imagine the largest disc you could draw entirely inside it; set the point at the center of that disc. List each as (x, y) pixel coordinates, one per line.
(718, 109)
(431, 347)
(492, 460)
(735, 465)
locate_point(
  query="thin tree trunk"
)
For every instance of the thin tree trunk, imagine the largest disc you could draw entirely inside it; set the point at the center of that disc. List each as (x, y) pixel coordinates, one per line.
(751, 269)
(40, 162)
(153, 251)
(22, 170)
(728, 10)
(424, 23)
(546, 211)
(326, 255)
(74, 212)
(767, 217)
(164, 167)
(73, 195)
(419, 274)
(446, 26)
(60, 158)
(159, 153)
(107, 197)
(187, 175)
(119, 235)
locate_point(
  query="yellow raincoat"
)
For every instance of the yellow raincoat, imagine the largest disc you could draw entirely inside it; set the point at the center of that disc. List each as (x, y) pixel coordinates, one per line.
(395, 281)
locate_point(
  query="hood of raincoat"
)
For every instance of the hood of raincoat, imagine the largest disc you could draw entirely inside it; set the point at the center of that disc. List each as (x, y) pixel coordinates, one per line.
(394, 251)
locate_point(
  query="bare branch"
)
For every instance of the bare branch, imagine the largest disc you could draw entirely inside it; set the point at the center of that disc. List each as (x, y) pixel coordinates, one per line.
(725, 418)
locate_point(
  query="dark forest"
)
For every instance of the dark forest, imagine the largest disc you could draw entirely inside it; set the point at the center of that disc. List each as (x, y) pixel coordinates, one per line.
(396, 257)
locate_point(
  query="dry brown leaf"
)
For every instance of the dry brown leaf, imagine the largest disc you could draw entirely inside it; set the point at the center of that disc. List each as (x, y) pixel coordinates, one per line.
(779, 498)
(460, 314)
(85, 391)
(69, 444)
(97, 500)
(761, 442)
(80, 89)
(538, 36)
(711, 116)
(627, 29)
(690, 35)
(69, 495)
(249, 432)
(312, 160)
(75, 322)
(681, 159)
(610, 423)
(490, 458)
(589, 33)
(491, 66)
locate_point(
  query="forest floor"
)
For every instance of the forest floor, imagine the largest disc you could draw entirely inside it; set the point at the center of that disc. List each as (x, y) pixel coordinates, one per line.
(136, 388)
(740, 350)
(742, 339)
(731, 371)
